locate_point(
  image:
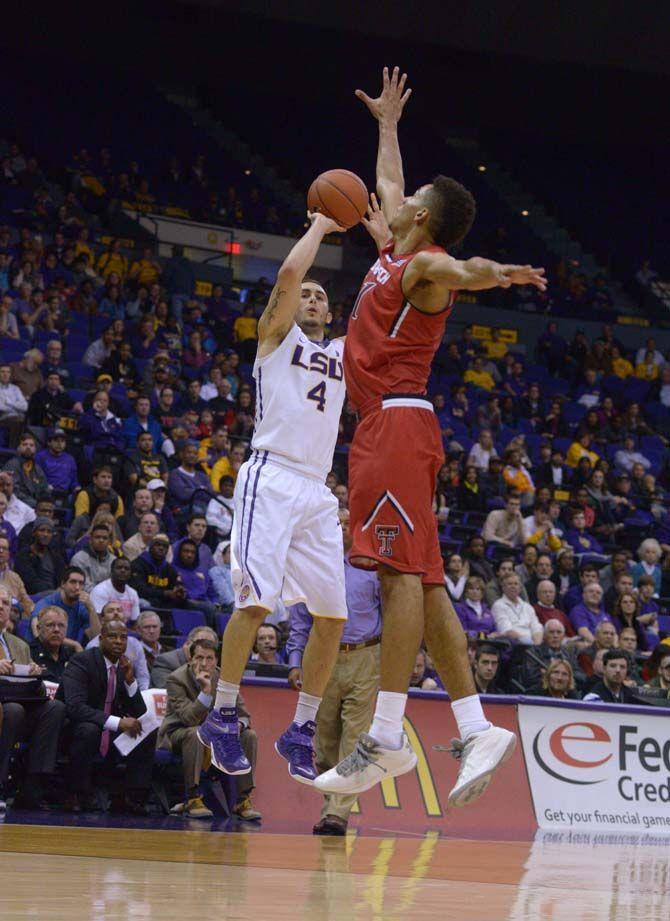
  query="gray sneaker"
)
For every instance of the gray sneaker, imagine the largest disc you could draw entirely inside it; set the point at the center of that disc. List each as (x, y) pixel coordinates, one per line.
(367, 765)
(480, 755)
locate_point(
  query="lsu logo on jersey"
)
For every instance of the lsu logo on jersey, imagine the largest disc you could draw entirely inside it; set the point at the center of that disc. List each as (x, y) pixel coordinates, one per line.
(386, 534)
(245, 591)
(319, 362)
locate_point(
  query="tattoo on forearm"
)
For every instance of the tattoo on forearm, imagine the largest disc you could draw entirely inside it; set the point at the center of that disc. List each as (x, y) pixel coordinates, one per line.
(273, 306)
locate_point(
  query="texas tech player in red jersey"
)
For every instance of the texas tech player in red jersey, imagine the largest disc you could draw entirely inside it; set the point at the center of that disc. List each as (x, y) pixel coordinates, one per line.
(389, 351)
(396, 326)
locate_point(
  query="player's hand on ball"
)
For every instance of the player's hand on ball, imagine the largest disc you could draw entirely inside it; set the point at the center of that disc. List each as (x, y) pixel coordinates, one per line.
(376, 224)
(389, 104)
(327, 224)
(522, 275)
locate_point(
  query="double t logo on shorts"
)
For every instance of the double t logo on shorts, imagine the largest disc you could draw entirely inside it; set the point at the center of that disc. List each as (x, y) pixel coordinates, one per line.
(386, 534)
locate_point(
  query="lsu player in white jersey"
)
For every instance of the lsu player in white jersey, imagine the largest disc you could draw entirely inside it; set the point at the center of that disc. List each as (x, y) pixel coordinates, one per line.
(286, 540)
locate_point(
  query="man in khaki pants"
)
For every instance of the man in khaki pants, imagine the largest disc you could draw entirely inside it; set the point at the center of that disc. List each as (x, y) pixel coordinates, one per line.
(349, 699)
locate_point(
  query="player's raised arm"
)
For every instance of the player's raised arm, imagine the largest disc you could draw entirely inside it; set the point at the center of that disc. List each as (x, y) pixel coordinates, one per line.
(279, 315)
(387, 109)
(475, 274)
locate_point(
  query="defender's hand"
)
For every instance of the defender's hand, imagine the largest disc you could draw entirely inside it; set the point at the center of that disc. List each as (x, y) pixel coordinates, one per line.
(376, 224)
(522, 275)
(389, 104)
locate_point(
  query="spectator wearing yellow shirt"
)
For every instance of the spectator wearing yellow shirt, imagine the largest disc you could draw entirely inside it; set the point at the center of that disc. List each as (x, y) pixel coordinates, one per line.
(82, 246)
(495, 347)
(579, 449)
(620, 365)
(245, 333)
(213, 449)
(147, 270)
(647, 370)
(228, 466)
(478, 376)
(112, 260)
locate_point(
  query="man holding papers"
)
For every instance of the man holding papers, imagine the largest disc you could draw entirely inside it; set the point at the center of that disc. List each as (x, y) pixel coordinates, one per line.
(103, 700)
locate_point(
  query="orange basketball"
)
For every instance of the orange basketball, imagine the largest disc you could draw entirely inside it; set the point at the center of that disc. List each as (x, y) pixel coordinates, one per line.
(339, 194)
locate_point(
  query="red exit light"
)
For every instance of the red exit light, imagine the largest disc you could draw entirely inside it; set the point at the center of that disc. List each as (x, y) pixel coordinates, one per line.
(233, 249)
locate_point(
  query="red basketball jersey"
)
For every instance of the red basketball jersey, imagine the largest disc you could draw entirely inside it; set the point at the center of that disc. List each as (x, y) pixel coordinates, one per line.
(390, 343)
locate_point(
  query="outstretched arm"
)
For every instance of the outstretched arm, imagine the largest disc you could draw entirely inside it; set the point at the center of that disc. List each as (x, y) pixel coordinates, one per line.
(475, 274)
(279, 315)
(387, 109)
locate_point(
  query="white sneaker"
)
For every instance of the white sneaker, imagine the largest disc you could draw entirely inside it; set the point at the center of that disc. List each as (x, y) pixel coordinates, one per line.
(480, 755)
(367, 765)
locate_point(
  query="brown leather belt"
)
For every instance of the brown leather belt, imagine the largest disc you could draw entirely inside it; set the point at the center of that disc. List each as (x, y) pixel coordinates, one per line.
(349, 647)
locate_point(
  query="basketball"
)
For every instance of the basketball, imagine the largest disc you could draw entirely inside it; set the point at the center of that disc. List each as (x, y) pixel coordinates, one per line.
(340, 195)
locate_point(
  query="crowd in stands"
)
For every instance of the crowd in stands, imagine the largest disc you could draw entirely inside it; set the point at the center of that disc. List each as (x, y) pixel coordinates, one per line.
(98, 185)
(127, 407)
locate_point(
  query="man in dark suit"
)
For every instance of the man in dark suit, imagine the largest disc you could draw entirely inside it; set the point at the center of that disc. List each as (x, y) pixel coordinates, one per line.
(554, 474)
(168, 662)
(103, 699)
(38, 721)
(191, 691)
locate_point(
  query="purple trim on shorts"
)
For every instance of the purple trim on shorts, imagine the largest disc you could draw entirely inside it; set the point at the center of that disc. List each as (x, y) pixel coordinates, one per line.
(260, 393)
(244, 505)
(251, 520)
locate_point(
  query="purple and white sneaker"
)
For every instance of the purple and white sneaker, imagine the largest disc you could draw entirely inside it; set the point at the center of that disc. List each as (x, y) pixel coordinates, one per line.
(297, 747)
(221, 734)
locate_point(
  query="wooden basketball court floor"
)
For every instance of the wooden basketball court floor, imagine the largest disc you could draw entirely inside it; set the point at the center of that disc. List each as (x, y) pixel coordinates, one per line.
(98, 873)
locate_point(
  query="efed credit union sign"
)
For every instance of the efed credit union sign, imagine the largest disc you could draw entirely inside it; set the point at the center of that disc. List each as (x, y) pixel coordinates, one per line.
(598, 768)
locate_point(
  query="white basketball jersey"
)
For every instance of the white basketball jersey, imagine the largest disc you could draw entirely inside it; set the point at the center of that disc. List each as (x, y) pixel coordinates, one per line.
(299, 396)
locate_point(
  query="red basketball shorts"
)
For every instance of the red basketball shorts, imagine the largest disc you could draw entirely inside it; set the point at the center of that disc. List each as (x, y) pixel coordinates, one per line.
(393, 465)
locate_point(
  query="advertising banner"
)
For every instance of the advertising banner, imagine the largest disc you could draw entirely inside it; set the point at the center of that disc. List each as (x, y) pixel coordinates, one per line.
(414, 804)
(598, 767)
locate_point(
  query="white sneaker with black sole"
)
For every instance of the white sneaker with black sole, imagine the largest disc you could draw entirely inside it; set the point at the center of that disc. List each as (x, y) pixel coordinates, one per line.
(367, 765)
(480, 755)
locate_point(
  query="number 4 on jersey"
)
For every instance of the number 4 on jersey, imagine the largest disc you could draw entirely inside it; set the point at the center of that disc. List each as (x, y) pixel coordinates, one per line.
(318, 394)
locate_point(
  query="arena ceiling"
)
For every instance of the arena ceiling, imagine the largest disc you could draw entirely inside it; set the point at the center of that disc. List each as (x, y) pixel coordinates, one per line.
(608, 33)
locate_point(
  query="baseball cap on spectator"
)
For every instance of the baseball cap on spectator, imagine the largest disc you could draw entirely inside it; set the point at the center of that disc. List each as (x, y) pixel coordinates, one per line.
(55, 432)
(43, 522)
(563, 551)
(156, 484)
(104, 377)
(160, 538)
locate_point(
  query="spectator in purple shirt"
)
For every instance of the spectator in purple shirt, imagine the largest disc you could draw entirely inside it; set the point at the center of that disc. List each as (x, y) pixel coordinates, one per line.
(348, 701)
(195, 579)
(586, 616)
(187, 478)
(473, 612)
(59, 467)
(588, 572)
(581, 540)
(100, 427)
(196, 529)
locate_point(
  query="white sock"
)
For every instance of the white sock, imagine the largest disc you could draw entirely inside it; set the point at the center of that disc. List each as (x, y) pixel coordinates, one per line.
(306, 709)
(387, 723)
(469, 715)
(226, 695)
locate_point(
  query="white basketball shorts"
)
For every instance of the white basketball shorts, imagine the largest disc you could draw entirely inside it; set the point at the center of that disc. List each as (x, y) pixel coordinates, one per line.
(286, 540)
